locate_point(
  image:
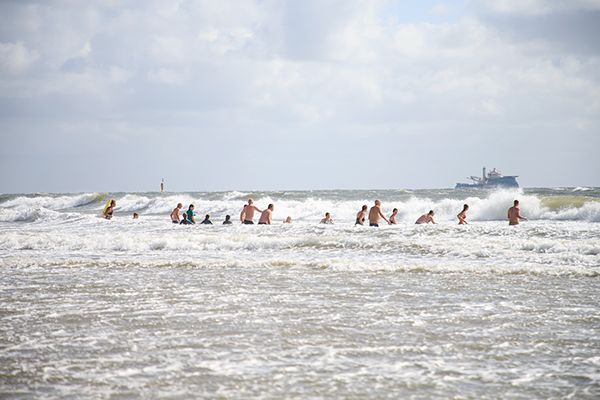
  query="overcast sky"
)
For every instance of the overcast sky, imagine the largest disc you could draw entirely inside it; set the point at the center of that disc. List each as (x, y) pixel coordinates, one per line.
(312, 94)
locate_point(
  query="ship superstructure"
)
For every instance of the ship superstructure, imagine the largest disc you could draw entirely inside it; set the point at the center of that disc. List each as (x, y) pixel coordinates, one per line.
(493, 179)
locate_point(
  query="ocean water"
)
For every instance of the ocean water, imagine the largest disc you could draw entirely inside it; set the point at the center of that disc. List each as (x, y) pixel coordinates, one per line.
(125, 308)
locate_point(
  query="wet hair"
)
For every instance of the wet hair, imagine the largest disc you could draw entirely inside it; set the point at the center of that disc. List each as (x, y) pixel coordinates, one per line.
(184, 215)
(394, 210)
(250, 201)
(227, 217)
(270, 206)
(179, 205)
(364, 207)
(135, 215)
(516, 202)
(430, 212)
(191, 206)
(327, 214)
(465, 207)
(207, 216)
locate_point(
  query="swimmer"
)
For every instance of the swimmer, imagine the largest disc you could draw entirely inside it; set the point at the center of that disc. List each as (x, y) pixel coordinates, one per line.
(266, 216)
(362, 214)
(462, 216)
(393, 216)
(190, 214)
(327, 220)
(375, 213)
(136, 215)
(249, 212)
(175, 213)
(227, 220)
(426, 218)
(206, 220)
(288, 220)
(108, 211)
(514, 214)
(184, 220)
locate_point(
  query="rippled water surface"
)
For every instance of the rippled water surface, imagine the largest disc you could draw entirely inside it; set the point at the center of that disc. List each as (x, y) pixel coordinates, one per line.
(144, 309)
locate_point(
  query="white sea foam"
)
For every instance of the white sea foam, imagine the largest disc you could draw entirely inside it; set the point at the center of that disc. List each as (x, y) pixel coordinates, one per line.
(561, 235)
(302, 310)
(52, 202)
(28, 214)
(490, 208)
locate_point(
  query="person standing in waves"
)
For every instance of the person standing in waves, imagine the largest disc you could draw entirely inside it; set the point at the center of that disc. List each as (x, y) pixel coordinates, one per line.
(514, 214)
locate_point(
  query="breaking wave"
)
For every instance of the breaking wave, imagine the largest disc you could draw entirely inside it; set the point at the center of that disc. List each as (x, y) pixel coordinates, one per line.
(310, 206)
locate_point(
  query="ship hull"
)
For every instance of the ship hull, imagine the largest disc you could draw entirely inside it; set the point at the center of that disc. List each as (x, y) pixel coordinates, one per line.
(502, 182)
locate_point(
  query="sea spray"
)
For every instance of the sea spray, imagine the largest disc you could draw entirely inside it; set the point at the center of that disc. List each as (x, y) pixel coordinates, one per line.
(308, 207)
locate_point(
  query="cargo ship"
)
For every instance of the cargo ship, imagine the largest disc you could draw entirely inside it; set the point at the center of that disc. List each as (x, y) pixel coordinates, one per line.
(491, 180)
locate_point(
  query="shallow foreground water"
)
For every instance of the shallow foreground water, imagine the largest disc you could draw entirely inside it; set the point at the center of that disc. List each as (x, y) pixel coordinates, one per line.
(145, 309)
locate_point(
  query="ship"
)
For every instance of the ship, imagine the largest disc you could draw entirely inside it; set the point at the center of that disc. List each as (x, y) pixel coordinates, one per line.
(491, 180)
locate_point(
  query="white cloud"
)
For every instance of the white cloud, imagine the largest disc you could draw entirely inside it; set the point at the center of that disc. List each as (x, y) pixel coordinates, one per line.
(440, 9)
(15, 58)
(537, 7)
(169, 76)
(326, 70)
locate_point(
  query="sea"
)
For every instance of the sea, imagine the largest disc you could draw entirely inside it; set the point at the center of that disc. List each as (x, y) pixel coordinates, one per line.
(146, 309)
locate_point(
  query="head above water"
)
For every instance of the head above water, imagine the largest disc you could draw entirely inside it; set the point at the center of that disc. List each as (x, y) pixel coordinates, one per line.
(516, 202)
(364, 207)
(377, 202)
(430, 212)
(207, 216)
(179, 205)
(395, 210)
(250, 201)
(327, 214)
(191, 207)
(465, 207)
(227, 217)
(270, 207)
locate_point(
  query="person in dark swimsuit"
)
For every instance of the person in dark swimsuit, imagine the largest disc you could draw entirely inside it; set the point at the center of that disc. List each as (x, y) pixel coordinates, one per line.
(393, 216)
(248, 212)
(184, 221)
(108, 212)
(462, 216)
(361, 216)
(375, 213)
(206, 221)
(227, 220)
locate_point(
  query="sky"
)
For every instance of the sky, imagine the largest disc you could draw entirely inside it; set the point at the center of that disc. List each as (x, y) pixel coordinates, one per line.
(297, 95)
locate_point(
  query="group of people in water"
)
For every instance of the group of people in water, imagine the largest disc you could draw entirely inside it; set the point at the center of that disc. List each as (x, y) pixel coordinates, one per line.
(246, 216)
(374, 215)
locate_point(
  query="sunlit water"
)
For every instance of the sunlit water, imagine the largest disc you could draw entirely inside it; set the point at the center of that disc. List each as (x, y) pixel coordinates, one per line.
(143, 308)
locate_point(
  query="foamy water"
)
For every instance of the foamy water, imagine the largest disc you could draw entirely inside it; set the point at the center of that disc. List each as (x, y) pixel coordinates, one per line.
(144, 308)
